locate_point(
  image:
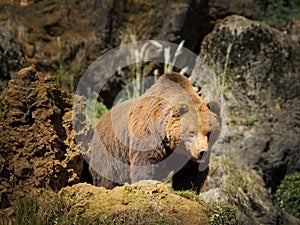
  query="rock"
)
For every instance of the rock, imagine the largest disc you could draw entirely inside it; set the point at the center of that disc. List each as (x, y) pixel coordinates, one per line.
(71, 35)
(258, 73)
(187, 21)
(248, 8)
(244, 189)
(38, 148)
(293, 29)
(142, 203)
(11, 57)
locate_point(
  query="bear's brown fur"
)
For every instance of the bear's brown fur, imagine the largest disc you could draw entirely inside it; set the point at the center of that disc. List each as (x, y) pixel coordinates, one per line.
(168, 128)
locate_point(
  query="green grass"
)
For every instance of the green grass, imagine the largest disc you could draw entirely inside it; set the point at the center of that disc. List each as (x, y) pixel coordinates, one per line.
(27, 212)
(217, 214)
(56, 210)
(220, 71)
(222, 214)
(65, 78)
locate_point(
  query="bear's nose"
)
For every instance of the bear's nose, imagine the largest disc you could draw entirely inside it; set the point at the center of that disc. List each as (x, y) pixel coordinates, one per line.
(202, 153)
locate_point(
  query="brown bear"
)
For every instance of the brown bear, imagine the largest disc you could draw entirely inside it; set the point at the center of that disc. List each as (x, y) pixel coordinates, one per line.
(167, 129)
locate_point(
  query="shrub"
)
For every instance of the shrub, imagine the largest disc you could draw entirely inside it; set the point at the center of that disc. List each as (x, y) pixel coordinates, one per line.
(217, 214)
(287, 196)
(94, 110)
(281, 11)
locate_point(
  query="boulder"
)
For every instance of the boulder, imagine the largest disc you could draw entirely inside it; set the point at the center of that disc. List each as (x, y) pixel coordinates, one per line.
(244, 189)
(256, 69)
(38, 148)
(145, 202)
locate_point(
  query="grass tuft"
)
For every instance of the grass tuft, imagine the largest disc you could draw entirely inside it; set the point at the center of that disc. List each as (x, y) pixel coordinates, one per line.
(217, 214)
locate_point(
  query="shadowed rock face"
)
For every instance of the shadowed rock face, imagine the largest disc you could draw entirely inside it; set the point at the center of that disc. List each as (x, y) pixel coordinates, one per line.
(72, 34)
(11, 57)
(37, 141)
(259, 77)
(228, 183)
(261, 90)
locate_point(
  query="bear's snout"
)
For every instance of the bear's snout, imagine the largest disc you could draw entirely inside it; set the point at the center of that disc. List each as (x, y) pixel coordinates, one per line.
(202, 152)
(202, 155)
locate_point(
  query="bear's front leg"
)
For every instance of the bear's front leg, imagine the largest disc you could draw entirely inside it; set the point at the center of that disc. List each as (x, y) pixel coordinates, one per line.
(142, 166)
(138, 173)
(189, 177)
(101, 181)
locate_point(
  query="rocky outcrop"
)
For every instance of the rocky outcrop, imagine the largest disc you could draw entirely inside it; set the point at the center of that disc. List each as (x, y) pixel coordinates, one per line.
(38, 149)
(69, 35)
(244, 189)
(257, 69)
(11, 57)
(146, 202)
(72, 34)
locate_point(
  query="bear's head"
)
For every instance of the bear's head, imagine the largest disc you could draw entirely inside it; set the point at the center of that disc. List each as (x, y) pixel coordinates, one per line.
(171, 113)
(196, 126)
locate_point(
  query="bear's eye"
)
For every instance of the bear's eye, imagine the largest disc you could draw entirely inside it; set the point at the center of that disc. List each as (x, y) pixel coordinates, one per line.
(192, 134)
(182, 109)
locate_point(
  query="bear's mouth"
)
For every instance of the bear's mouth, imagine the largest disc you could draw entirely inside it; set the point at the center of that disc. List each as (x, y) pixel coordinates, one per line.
(203, 156)
(200, 161)
(203, 163)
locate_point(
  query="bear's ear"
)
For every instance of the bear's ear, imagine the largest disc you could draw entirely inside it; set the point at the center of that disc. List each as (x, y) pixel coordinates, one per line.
(183, 108)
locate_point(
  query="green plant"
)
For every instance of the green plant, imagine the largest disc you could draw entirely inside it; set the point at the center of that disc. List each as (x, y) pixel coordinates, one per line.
(26, 211)
(217, 214)
(281, 11)
(287, 195)
(189, 195)
(94, 110)
(52, 210)
(219, 69)
(65, 78)
(139, 86)
(170, 62)
(222, 215)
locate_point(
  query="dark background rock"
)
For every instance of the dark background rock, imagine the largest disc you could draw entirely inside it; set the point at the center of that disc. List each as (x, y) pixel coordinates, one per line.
(247, 8)
(230, 184)
(11, 57)
(71, 35)
(261, 90)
